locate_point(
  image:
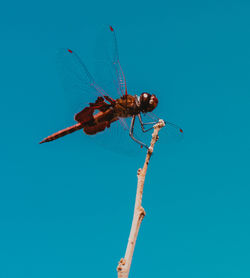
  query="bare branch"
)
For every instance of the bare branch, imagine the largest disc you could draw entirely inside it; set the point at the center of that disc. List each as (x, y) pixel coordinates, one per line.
(139, 212)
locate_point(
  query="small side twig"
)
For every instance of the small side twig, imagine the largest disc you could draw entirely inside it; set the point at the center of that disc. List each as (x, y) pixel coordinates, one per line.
(139, 212)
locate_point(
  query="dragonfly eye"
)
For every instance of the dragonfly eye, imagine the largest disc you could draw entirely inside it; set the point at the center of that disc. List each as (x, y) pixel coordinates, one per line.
(148, 102)
(153, 102)
(145, 97)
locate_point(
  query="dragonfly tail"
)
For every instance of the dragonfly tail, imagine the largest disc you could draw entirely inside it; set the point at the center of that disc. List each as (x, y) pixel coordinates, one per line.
(62, 133)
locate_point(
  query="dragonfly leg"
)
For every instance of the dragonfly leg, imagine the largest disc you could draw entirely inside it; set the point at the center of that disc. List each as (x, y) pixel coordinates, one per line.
(131, 133)
(142, 124)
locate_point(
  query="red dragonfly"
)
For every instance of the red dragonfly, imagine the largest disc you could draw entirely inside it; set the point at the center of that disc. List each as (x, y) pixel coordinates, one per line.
(99, 115)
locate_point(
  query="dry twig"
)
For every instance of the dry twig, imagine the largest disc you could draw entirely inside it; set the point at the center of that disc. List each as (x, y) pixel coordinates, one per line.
(139, 212)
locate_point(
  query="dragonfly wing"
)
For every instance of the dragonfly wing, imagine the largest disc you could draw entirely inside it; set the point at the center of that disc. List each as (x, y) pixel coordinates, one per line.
(116, 139)
(108, 71)
(109, 81)
(78, 83)
(171, 133)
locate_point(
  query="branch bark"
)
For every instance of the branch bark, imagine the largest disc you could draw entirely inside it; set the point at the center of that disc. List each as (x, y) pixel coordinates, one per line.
(139, 212)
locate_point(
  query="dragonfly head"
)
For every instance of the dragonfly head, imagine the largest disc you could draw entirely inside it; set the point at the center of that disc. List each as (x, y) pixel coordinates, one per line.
(148, 102)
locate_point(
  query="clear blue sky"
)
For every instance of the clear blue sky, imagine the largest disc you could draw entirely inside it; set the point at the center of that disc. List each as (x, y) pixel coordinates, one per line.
(66, 207)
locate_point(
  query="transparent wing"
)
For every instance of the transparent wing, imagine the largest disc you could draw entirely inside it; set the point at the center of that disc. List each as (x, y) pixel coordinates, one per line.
(117, 139)
(79, 85)
(81, 88)
(108, 71)
(171, 133)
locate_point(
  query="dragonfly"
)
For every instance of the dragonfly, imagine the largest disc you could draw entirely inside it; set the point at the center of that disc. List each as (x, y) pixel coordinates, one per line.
(100, 115)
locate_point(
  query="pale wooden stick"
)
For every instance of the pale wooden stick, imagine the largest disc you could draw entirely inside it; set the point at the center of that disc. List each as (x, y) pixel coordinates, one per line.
(139, 212)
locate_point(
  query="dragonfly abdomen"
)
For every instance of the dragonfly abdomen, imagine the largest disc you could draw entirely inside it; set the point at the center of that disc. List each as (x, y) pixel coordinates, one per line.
(62, 133)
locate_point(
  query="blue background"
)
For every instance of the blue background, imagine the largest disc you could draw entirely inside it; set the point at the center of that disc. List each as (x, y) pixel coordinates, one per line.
(66, 207)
